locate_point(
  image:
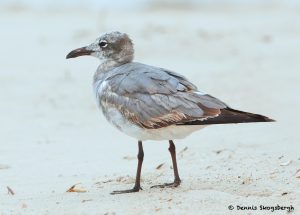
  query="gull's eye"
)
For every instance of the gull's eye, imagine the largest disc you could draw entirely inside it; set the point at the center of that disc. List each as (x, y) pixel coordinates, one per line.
(103, 43)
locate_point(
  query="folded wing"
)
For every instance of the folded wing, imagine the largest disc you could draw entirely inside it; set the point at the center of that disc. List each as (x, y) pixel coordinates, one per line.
(152, 98)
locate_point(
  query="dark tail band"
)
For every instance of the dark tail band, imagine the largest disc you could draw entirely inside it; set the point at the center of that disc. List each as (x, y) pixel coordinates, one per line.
(229, 115)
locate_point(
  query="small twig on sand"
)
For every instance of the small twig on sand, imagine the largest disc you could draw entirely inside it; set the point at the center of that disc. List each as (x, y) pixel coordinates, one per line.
(107, 181)
(10, 191)
(297, 173)
(160, 165)
(183, 150)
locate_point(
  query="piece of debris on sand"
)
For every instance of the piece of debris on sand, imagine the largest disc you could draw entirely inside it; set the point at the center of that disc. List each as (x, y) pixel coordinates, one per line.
(129, 158)
(107, 181)
(286, 163)
(219, 151)
(4, 166)
(183, 150)
(160, 165)
(10, 191)
(73, 189)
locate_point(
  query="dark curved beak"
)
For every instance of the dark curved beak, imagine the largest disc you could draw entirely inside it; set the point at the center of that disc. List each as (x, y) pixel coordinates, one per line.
(79, 52)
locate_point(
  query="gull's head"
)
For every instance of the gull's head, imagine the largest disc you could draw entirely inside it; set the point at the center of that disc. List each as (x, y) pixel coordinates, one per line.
(113, 46)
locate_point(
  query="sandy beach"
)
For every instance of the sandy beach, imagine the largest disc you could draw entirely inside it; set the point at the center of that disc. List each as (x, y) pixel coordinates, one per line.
(53, 136)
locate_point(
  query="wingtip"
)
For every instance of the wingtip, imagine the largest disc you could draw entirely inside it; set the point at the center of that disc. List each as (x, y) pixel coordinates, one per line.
(270, 120)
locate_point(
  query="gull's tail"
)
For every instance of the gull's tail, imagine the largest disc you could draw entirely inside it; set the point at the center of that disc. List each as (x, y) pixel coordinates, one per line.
(229, 115)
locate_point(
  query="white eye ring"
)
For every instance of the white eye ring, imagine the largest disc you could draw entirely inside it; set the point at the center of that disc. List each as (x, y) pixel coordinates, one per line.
(103, 43)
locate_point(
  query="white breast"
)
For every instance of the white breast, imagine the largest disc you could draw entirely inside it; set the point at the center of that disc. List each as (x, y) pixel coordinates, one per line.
(166, 133)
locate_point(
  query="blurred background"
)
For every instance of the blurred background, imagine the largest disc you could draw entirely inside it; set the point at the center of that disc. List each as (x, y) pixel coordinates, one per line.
(245, 53)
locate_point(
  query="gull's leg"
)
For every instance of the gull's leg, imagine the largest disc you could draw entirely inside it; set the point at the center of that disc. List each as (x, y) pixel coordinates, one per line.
(137, 186)
(177, 180)
(172, 150)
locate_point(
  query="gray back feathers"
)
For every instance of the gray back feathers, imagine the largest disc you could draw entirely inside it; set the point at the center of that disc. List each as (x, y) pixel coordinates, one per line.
(152, 97)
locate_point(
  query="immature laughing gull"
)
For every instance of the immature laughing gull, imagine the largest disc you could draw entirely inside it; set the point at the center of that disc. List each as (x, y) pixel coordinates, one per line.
(151, 103)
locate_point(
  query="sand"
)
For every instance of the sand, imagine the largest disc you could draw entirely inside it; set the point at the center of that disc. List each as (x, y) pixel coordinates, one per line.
(53, 136)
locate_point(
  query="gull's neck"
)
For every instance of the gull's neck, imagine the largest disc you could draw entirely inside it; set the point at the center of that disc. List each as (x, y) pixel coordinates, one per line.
(105, 67)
